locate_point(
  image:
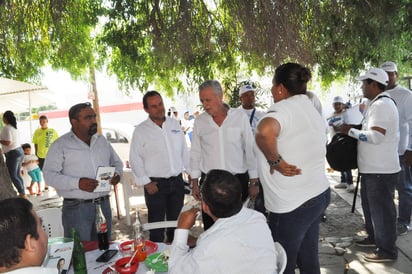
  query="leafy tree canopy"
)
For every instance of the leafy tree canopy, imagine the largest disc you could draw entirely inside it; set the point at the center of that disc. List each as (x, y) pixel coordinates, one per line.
(39, 32)
(153, 42)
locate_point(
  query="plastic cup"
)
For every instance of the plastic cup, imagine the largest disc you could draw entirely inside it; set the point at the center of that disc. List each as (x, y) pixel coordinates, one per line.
(120, 265)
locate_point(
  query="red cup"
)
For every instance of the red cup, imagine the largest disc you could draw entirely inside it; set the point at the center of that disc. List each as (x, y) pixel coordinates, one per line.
(120, 265)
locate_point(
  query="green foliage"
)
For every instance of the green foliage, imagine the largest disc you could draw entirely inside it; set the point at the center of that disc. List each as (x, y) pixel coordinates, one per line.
(171, 45)
(52, 31)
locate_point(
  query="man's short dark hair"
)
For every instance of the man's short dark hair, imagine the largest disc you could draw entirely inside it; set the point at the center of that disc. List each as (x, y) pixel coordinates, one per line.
(43, 117)
(16, 222)
(74, 110)
(148, 94)
(222, 192)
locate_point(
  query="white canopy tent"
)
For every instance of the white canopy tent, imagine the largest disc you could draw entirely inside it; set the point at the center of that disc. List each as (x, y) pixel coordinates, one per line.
(19, 96)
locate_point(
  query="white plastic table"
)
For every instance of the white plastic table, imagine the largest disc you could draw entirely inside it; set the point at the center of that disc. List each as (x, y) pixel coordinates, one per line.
(94, 267)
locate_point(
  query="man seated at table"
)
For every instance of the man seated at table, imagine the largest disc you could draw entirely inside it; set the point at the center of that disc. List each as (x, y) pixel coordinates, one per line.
(23, 241)
(239, 241)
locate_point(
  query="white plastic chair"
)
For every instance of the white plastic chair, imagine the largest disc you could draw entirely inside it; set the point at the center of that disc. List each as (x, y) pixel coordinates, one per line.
(281, 258)
(190, 202)
(133, 195)
(52, 221)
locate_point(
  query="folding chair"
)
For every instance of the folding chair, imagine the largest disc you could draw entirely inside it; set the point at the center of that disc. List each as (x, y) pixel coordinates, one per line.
(52, 221)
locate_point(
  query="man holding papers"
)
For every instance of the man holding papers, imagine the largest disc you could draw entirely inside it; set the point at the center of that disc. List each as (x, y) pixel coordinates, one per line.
(79, 165)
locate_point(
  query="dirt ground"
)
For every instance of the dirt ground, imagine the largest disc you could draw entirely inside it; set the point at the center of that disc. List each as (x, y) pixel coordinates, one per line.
(340, 222)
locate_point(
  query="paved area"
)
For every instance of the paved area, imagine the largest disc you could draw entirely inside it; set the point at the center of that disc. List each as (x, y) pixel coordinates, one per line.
(337, 255)
(352, 260)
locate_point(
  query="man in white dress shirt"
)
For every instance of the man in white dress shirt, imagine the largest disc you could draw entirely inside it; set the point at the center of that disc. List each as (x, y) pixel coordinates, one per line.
(403, 99)
(239, 240)
(222, 139)
(158, 156)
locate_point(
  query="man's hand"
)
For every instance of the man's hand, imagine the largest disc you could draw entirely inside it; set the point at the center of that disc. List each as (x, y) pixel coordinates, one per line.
(254, 188)
(115, 179)
(88, 184)
(187, 218)
(344, 128)
(151, 188)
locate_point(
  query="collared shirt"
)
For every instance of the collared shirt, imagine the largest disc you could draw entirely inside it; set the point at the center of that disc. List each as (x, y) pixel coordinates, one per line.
(9, 133)
(403, 99)
(43, 138)
(241, 243)
(383, 157)
(70, 159)
(158, 151)
(257, 115)
(228, 147)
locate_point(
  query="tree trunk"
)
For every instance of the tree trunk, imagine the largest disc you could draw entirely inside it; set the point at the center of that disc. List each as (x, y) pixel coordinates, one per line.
(6, 188)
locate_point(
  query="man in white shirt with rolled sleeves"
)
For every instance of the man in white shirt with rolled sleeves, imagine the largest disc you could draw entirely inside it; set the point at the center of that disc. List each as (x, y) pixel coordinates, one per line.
(158, 156)
(222, 139)
(403, 99)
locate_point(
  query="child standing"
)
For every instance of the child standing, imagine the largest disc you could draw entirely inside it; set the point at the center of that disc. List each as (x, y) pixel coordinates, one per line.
(31, 165)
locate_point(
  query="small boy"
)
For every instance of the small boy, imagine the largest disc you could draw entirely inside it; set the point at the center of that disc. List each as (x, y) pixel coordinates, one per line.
(31, 165)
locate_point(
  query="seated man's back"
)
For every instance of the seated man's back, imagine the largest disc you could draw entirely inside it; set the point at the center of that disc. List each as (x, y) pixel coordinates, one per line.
(238, 243)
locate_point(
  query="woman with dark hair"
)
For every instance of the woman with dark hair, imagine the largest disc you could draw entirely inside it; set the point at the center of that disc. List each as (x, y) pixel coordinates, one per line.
(291, 157)
(10, 144)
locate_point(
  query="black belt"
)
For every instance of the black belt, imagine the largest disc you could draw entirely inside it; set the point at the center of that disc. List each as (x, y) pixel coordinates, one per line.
(159, 179)
(95, 200)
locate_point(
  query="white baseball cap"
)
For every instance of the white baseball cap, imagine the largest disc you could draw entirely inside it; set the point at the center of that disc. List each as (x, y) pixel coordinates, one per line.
(389, 67)
(338, 99)
(245, 88)
(376, 74)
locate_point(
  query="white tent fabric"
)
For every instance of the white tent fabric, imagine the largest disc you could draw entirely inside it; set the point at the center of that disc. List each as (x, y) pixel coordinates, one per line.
(20, 96)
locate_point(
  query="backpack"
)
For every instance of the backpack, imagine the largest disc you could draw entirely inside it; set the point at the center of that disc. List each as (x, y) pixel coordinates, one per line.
(342, 152)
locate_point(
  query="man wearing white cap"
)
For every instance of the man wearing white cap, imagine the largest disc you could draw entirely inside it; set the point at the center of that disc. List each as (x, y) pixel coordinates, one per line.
(403, 99)
(378, 164)
(247, 99)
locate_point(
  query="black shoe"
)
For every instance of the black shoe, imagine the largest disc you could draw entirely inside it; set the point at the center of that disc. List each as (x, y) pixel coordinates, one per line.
(365, 243)
(402, 229)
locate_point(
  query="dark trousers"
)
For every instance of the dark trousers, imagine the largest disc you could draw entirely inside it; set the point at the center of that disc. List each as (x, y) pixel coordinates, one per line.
(298, 232)
(166, 203)
(41, 163)
(243, 179)
(377, 192)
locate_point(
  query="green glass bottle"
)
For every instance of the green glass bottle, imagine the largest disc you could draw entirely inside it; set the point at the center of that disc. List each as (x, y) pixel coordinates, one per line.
(79, 259)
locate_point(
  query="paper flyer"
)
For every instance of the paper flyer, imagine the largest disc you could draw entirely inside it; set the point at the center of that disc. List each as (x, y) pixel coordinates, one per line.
(104, 174)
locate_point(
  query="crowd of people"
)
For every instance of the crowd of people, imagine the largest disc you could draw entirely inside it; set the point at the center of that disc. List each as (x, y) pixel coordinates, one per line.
(234, 155)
